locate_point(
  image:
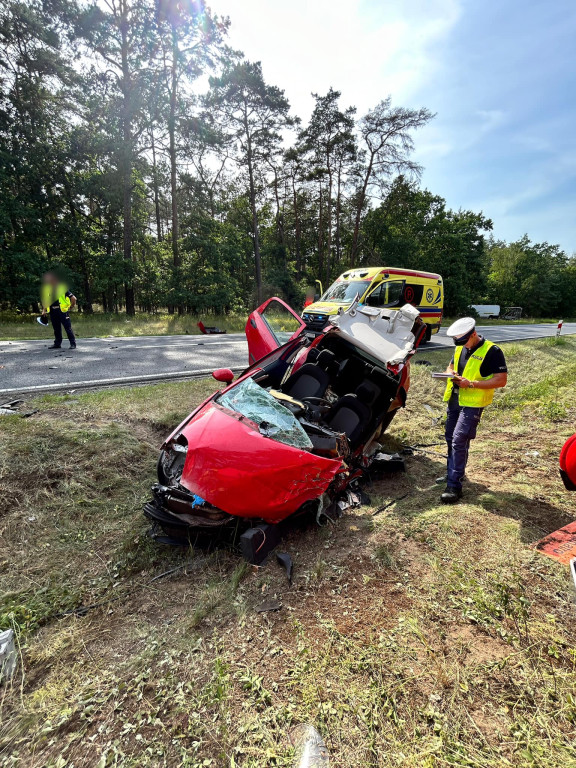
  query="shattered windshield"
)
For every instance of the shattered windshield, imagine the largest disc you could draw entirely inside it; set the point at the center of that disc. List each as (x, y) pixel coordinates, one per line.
(275, 421)
(346, 291)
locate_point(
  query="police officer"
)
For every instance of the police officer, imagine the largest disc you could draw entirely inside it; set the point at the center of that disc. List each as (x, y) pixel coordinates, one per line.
(479, 368)
(57, 300)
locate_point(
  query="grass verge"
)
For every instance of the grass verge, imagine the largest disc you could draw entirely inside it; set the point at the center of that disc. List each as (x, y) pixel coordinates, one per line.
(420, 636)
(15, 326)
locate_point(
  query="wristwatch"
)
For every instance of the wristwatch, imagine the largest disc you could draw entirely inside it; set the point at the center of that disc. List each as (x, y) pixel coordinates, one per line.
(471, 385)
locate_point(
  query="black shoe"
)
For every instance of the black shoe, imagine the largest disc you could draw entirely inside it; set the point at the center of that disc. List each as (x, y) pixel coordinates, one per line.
(451, 496)
(72, 346)
(54, 346)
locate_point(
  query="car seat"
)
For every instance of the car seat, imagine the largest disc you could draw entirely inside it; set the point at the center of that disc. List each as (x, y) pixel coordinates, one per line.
(312, 379)
(352, 413)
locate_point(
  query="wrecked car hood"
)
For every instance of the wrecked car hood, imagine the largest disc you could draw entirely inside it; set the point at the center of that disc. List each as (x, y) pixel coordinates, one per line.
(386, 334)
(236, 468)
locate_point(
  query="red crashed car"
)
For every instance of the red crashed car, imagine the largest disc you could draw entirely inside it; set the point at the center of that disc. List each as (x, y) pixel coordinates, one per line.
(294, 431)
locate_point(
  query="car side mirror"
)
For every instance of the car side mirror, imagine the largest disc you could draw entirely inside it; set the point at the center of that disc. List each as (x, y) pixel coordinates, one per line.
(223, 374)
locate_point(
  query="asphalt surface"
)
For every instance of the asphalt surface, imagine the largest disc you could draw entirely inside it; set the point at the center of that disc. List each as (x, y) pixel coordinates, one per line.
(29, 366)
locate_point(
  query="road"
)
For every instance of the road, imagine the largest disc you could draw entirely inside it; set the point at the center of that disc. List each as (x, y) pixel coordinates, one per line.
(29, 367)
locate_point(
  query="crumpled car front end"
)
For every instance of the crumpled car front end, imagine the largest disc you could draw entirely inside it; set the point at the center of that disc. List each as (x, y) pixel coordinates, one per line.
(242, 458)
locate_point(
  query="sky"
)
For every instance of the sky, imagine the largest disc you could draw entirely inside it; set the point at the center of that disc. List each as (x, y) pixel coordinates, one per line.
(499, 74)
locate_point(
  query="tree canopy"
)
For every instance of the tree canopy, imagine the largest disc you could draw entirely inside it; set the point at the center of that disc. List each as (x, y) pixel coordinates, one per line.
(156, 167)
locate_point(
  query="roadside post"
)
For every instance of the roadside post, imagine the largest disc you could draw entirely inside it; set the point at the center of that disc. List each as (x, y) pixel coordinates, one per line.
(559, 328)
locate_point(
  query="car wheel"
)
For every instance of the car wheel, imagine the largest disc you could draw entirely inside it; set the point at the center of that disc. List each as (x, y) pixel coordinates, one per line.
(162, 477)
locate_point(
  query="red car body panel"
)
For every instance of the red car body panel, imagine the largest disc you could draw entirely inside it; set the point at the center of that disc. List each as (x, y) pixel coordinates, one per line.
(261, 340)
(242, 472)
(568, 463)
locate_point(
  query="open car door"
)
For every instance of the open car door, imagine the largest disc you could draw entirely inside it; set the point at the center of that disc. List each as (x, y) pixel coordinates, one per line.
(271, 326)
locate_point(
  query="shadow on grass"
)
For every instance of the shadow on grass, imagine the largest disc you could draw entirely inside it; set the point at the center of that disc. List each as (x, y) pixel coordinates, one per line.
(537, 517)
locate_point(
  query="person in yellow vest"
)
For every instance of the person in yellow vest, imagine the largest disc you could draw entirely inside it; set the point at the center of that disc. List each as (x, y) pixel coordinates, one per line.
(479, 368)
(58, 301)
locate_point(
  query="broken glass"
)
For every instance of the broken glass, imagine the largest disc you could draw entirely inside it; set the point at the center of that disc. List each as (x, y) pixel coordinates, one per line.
(258, 405)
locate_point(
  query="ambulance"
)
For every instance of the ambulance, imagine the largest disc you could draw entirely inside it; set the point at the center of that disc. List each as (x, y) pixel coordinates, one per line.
(390, 287)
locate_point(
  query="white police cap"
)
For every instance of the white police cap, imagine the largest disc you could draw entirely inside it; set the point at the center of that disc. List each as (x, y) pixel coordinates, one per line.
(461, 327)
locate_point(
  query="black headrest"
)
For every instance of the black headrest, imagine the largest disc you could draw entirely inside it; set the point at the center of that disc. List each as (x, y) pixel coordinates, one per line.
(326, 359)
(367, 392)
(378, 377)
(313, 355)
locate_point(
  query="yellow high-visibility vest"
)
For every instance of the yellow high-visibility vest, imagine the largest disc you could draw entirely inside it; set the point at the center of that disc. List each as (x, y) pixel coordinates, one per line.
(49, 295)
(471, 398)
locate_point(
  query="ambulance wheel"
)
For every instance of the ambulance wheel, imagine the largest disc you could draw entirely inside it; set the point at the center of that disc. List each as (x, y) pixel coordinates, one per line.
(427, 335)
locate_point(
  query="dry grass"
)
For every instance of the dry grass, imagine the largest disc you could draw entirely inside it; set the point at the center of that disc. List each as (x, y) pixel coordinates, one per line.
(17, 326)
(424, 636)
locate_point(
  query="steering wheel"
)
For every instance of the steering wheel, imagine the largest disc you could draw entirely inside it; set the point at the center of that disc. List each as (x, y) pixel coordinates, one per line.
(318, 400)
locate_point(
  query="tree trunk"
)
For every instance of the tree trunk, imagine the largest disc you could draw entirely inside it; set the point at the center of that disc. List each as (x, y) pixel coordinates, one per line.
(358, 218)
(329, 232)
(298, 231)
(279, 222)
(172, 155)
(320, 237)
(87, 304)
(338, 212)
(156, 190)
(127, 159)
(255, 233)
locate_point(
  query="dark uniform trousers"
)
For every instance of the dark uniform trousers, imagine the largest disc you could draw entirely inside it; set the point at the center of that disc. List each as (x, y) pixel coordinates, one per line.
(461, 425)
(59, 319)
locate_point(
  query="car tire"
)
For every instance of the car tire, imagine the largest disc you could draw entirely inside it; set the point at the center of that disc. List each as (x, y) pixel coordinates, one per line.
(162, 479)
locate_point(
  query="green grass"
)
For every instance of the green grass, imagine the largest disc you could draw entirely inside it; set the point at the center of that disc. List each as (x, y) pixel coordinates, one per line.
(423, 637)
(15, 326)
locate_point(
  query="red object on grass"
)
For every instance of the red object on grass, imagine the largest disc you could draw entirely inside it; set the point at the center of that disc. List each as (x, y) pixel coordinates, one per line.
(560, 545)
(568, 463)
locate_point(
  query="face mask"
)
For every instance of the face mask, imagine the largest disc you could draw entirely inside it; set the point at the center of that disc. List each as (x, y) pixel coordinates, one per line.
(461, 340)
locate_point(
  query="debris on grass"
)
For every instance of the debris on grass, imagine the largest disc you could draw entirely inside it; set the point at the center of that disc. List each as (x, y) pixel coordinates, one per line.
(209, 329)
(286, 562)
(8, 657)
(269, 605)
(310, 749)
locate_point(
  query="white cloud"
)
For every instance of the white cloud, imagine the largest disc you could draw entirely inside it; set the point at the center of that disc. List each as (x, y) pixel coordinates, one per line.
(365, 49)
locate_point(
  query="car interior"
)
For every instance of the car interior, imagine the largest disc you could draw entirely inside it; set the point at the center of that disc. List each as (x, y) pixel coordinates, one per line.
(339, 390)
